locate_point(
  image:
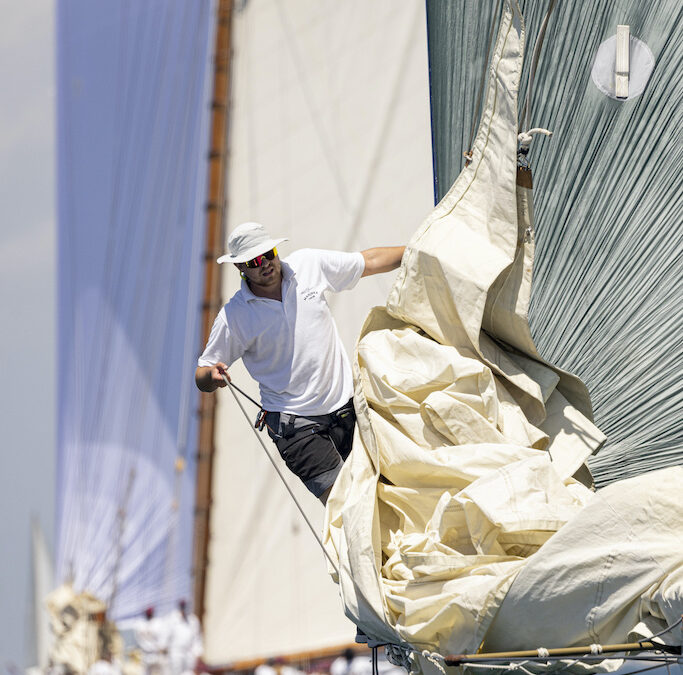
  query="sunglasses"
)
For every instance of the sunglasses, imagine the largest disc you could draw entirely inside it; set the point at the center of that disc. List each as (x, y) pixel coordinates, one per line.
(260, 259)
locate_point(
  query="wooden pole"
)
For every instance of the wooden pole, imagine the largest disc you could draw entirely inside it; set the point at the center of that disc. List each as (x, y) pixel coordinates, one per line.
(212, 300)
(459, 659)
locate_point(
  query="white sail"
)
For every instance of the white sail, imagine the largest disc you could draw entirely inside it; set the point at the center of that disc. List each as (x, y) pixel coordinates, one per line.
(329, 146)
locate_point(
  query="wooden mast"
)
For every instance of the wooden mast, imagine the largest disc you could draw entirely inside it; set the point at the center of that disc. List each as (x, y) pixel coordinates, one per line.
(212, 300)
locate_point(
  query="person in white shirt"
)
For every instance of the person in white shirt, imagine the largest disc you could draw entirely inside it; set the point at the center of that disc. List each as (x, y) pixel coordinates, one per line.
(151, 635)
(184, 640)
(276, 666)
(281, 327)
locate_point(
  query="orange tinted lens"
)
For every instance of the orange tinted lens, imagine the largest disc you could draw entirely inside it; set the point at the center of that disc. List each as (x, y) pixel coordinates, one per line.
(259, 259)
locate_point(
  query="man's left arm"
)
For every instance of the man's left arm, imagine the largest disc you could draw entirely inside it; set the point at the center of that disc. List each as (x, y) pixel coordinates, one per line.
(382, 259)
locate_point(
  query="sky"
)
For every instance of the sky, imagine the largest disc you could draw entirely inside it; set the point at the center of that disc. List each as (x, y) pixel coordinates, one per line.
(27, 305)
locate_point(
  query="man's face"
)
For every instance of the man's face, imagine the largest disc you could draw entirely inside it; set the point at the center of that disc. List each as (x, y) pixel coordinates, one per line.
(267, 275)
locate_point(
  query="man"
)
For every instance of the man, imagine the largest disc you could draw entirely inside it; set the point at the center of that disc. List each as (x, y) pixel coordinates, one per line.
(184, 640)
(279, 323)
(151, 635)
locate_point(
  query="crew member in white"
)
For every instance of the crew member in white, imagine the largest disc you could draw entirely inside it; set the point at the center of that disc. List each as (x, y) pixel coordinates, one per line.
(184, 640)
(281, 327)
(151, 636)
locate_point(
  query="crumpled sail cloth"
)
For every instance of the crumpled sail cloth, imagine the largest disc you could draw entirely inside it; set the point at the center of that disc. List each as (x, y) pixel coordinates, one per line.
(470, 441)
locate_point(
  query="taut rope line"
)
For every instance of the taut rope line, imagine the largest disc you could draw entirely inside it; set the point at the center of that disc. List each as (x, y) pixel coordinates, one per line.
(277, 469)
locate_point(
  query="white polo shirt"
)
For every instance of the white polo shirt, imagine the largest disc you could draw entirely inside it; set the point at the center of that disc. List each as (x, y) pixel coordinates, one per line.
(291, 348)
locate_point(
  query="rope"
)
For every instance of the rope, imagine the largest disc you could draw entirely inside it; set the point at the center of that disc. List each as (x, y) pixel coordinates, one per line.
(524, 138)
(396, 647)
(398, 655)
(234, 386)
(434, 659)
(667, 629)
(279, 473)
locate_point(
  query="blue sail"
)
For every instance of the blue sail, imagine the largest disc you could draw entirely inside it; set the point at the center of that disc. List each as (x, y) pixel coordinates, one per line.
(134, 81)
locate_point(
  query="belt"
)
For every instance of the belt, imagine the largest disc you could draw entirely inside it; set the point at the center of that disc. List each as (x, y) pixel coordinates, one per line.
(289, 423)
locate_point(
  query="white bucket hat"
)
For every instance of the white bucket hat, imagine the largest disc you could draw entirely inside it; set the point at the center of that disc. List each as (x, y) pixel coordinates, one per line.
(247, 241)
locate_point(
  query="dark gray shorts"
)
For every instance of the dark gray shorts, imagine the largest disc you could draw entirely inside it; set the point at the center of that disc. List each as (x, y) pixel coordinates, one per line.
(314, 448)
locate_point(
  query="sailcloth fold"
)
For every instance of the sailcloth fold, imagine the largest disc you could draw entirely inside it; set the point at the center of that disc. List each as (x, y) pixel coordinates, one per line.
(471, 445)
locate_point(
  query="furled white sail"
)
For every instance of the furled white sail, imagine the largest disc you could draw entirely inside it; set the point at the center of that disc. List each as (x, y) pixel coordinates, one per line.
(329, 146)
(133, 110)
(463, 481)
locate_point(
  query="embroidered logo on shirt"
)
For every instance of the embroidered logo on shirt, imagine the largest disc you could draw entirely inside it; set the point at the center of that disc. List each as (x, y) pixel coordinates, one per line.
(311, 295)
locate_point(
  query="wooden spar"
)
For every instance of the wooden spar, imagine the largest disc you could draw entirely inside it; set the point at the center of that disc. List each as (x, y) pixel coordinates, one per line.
(293, 658)
(211, 302)
(459, 659)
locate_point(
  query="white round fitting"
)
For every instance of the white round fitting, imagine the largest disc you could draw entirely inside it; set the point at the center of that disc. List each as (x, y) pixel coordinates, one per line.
(641, 64)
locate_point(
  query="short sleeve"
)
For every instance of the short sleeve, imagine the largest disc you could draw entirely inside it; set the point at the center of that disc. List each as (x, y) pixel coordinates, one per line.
(341, 270)
(223, 345)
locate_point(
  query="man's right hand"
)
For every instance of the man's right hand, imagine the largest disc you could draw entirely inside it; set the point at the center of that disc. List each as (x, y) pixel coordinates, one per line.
(209, 378)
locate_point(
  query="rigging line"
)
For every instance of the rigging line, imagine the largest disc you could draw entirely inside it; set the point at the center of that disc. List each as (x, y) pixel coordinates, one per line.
(666, 630)
(298, 505)
(526, 111)
(645, 670)
(284, 481)
(234, 386)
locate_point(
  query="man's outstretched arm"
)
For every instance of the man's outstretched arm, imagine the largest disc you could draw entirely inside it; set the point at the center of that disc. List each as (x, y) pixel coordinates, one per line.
(209, 378)
(382, 259)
